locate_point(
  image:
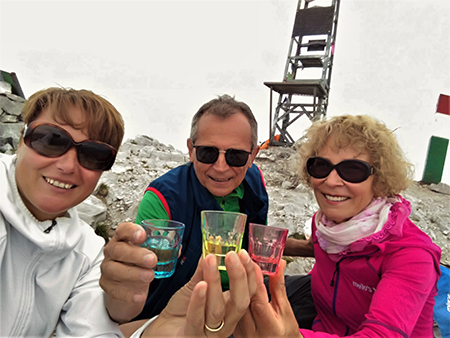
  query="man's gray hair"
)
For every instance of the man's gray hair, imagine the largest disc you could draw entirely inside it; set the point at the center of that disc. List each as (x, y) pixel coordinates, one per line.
(224, 106)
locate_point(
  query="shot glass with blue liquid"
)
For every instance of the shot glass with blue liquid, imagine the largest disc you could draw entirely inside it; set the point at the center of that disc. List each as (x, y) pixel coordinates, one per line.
(164, 238)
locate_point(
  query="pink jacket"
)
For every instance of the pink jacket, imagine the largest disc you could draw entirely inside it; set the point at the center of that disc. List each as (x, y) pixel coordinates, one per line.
(383, 286)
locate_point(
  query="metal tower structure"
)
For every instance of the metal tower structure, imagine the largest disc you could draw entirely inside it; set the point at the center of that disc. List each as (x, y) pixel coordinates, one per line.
(307, 75)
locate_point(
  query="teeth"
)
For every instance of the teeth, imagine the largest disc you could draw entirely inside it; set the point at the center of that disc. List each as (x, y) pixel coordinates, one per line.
(58, 184)
(220, 180)
(335, 198)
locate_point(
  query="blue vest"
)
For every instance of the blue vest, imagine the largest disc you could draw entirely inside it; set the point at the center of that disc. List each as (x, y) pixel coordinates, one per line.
(184, 197)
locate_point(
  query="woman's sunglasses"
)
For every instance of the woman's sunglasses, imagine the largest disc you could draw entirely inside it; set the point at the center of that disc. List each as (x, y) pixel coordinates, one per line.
(353, 171)
(233, 157)
(50, 140)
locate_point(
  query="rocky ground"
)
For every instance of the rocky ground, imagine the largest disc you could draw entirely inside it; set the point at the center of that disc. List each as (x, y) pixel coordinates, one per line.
(143, 159)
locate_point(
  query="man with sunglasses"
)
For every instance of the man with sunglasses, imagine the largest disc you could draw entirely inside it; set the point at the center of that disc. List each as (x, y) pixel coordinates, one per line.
(220, 176)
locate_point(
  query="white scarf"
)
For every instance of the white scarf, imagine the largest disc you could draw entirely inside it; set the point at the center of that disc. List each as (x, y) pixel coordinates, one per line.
(334, 238)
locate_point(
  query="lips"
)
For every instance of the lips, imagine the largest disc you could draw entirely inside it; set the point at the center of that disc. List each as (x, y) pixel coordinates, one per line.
(58, 184)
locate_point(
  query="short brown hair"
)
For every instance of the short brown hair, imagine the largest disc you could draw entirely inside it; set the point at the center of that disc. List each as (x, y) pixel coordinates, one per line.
(103, 122)
(225, 106)
(364, 133)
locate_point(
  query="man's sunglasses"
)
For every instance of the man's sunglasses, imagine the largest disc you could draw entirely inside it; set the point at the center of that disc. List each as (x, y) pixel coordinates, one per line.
(233, 157)
(353, 171)
(50, 140)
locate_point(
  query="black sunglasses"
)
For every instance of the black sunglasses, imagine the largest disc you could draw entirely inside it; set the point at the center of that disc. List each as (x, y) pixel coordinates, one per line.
(353, 171)
(50, 140)
(233, 157)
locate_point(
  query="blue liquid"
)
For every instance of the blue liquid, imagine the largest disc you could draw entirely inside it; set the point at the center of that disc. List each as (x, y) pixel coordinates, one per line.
(167, 255)
(165, 269)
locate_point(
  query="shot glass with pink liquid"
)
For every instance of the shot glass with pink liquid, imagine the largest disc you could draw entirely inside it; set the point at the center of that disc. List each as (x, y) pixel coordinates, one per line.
(266, 246)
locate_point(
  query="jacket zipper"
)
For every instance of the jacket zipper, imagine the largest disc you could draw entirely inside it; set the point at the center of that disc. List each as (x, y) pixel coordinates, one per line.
(24, 310)
(336, 271)
(335, 278)
(26, 301)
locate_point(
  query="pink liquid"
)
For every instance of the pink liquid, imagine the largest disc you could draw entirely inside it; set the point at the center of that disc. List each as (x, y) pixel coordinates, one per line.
(268, 265)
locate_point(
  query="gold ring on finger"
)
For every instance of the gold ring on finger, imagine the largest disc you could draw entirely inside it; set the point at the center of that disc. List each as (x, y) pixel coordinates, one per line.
(216, 329)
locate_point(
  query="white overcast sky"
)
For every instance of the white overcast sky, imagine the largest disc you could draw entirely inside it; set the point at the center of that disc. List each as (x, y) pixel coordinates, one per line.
(159, 61)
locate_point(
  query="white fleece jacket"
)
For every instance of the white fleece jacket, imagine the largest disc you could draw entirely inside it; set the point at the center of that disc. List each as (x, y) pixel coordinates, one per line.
(48, 280)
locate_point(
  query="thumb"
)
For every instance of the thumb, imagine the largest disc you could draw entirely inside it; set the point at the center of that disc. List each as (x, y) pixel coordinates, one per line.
(130, 233)
(277, 288)
(197, 277)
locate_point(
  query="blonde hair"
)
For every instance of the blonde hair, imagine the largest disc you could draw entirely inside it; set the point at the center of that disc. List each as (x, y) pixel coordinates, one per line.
(102, 121)
(363, 133)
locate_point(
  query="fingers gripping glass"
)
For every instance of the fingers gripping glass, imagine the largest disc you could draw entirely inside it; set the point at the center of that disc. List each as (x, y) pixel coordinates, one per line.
(353, 171)
(233, 157)
(50, 140)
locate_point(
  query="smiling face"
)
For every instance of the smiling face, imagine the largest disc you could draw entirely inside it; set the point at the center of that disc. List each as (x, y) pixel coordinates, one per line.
(232, 132)
(340, 200)
(51, 186)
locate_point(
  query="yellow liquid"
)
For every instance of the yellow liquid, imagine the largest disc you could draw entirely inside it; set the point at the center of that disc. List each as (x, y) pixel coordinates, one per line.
(219, 250)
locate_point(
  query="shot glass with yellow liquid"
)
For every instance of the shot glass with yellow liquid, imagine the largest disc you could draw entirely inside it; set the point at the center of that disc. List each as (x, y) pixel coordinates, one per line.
(222, 232)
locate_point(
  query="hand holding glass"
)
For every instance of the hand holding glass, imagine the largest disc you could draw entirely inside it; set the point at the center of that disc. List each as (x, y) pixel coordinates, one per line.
(266, 246)
(222, 232)
(163, 238)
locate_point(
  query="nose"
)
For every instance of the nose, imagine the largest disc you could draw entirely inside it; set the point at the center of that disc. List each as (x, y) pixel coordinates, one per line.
(68, 162)
(221, 163)
(334, 179)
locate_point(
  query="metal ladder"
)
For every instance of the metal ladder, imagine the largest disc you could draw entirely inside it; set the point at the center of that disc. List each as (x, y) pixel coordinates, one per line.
(306, 80)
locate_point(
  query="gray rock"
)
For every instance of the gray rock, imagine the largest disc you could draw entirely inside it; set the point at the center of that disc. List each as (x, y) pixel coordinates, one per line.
(92, 210)
(7, 118)
(441, 188)
(11, 107)
(6, 148)
(10, 133)
(144, 140)
(14, 97)
(5, 87)
(10, 120)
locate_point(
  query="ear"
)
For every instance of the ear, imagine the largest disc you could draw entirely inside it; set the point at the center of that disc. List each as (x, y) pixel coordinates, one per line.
(255, 152)
(190, 149)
